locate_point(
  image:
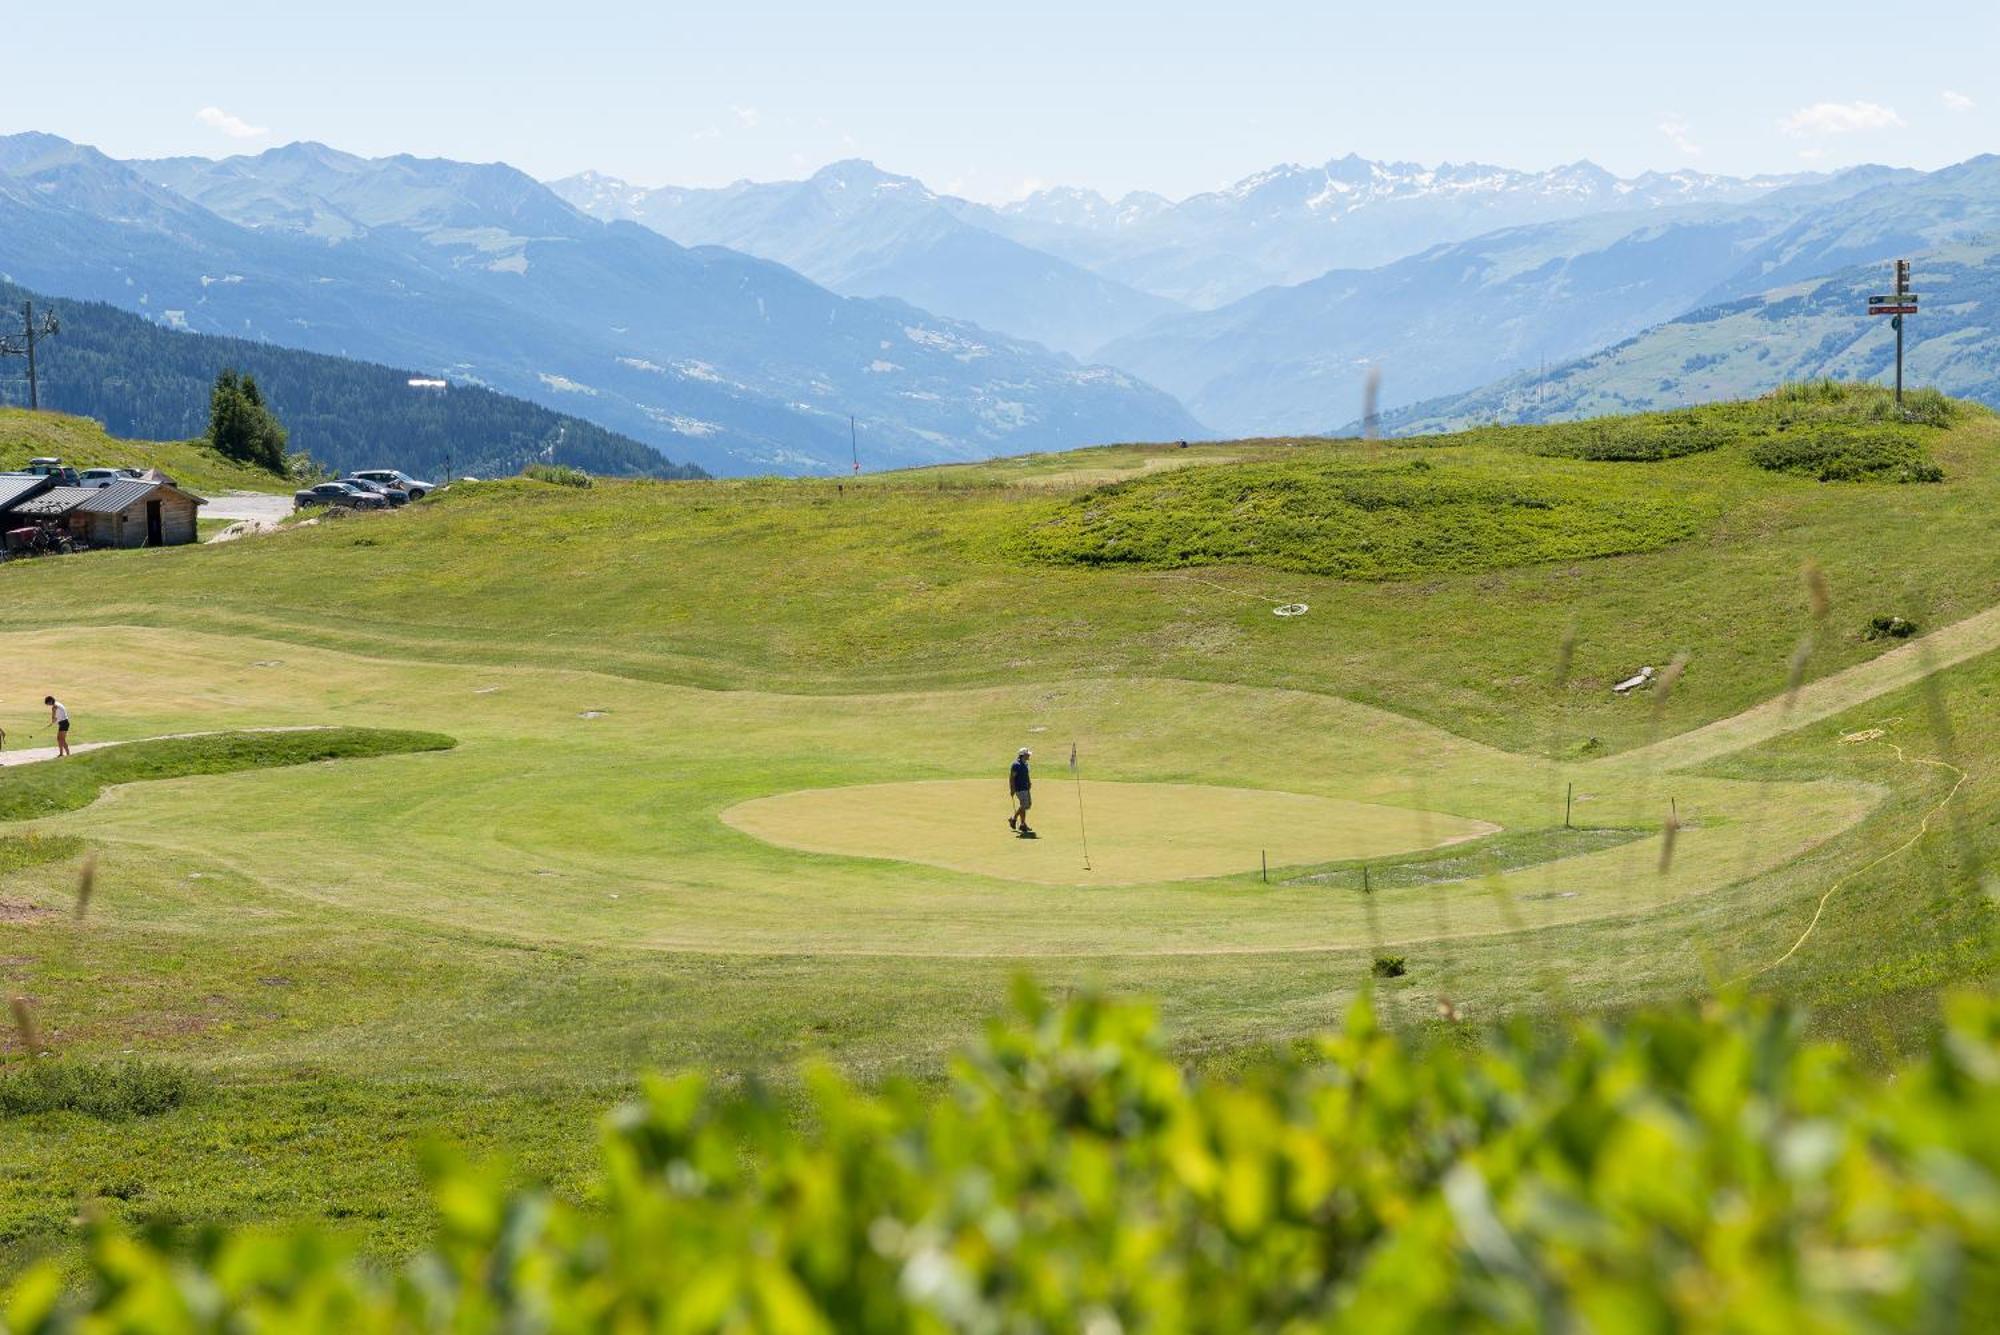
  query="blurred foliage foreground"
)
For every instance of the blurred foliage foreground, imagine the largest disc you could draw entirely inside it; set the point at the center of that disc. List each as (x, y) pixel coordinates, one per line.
(1675, 1169)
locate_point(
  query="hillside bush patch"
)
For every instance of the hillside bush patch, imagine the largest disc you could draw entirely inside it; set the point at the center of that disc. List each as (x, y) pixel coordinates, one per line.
(1630, 439)
(1889, 628)
(1847, 454)
(561, 475)
(1332, 514)
(1827, 400)
(106, 1090)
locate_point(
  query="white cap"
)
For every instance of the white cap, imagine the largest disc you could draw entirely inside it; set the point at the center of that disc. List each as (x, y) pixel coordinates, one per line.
(1024, 751)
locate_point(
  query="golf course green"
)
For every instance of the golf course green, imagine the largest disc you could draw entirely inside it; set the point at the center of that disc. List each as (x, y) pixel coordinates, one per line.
(714, 774)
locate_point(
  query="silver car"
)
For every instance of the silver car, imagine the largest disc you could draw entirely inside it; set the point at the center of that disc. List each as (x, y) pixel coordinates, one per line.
(397, 478)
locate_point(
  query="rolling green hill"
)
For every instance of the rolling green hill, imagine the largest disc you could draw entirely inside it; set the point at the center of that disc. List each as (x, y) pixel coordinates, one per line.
(82, 443)
(146, 381)
(727, 783)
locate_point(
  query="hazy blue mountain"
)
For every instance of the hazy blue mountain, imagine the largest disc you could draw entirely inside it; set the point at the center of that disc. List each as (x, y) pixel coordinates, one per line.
(1292, 359)
(1897, 213)
(148, 382)
(866, 233)
(1293, 223)
(1743, 348)
(733, 362)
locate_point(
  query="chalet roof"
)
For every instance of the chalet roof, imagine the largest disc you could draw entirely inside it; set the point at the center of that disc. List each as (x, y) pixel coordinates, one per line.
(120, 495)
(17, 487)
(55, 502)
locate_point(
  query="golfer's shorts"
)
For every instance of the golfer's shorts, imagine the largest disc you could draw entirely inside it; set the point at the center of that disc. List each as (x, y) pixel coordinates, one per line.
(63, 726)
(1024, 799)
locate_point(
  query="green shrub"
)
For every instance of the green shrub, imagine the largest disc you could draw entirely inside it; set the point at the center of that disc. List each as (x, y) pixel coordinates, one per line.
(1674, 1170)
(1331, 512)
(1827, 400)
(561, 475)
(1646, 439)
(96, 1089)
(1390, 966)
(1847, 454)
(1894, 628)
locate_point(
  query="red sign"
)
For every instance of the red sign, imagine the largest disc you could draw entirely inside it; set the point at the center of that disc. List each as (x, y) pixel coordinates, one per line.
(1892, 310)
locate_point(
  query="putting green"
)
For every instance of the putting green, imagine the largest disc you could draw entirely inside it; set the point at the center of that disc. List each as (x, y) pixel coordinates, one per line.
(1139, 832)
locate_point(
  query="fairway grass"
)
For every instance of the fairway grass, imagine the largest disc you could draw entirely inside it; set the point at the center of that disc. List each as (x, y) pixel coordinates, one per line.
(592, 810)
(1145, 832)
(728, 791)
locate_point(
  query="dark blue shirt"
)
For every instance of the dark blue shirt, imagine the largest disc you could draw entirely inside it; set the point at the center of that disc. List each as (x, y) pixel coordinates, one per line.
(1017, 777)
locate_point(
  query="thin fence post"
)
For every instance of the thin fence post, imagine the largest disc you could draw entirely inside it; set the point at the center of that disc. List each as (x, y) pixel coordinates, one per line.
(1568, 797)
(1264, 856)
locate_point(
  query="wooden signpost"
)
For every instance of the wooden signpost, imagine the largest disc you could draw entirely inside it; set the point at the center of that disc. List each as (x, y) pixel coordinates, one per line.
(1897, 304)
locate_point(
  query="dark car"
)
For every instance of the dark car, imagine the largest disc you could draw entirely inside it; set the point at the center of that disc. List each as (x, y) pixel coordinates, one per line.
(338, 493)
(64, 475)
(393, 495)
(397, 478)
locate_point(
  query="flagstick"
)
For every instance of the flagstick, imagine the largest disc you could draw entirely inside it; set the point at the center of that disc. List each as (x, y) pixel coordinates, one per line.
(1077, 771)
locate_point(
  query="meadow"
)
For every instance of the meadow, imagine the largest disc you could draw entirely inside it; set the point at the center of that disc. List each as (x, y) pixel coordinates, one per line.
(690, 775)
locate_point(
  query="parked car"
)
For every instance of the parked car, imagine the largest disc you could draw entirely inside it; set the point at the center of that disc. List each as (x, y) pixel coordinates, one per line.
(64, 475)
(104, 477)
(396, 477)
(393, 495)
(338, 493)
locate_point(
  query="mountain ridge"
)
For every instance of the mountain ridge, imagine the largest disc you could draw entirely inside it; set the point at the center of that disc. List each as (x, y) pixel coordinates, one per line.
(735, 363)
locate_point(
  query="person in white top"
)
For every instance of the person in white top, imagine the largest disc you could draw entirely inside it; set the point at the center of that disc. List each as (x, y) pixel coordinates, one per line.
(60, 718)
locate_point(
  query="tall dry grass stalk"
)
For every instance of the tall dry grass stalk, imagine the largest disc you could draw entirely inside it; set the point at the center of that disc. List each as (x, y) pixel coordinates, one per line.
(24, 1025)
(86, 884)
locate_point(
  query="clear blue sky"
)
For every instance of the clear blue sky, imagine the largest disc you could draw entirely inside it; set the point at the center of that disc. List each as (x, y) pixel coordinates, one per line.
(988, 99)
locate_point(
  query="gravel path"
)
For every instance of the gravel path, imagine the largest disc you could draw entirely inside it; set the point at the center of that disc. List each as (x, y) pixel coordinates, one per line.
(247, 505)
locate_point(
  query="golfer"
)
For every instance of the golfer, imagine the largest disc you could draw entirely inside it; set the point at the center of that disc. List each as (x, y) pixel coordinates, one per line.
(1018, 789)
(60, 718)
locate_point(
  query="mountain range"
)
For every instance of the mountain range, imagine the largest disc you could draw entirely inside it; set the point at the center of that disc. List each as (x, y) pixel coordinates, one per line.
(1794, 309)
(1291, 359)
(866, 233)
(1292, 223)
(735, 363)
(1741, 348)
(740, 327)
(148, 382)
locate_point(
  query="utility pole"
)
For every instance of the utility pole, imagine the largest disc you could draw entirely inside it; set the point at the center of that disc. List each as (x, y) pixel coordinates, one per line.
(23, 344)
(1897, 304)
(854, 443)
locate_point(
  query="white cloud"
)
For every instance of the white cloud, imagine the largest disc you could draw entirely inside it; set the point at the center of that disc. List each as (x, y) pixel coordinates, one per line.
(215, 118)
(747, 117)
(1840, 118)
(705, 134)
(1679, 134)
(1956, 101)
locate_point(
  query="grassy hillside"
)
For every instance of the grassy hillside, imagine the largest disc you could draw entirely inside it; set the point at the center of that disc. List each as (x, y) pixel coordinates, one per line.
(82, 443)
(717, 798)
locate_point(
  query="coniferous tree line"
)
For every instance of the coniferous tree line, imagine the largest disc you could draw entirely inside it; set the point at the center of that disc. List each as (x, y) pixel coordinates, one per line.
(147, 382)
(241, 426)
